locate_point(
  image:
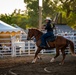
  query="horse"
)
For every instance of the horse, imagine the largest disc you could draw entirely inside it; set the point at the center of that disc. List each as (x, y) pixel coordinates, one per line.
(60, 43)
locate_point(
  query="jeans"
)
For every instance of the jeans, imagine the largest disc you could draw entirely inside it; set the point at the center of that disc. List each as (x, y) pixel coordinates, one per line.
(44, 36)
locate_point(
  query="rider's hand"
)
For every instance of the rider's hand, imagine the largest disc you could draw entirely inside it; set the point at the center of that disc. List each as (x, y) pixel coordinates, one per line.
(43, 27)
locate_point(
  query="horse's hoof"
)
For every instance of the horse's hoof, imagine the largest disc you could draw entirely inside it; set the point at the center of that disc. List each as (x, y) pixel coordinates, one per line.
(33, 62)
(61, 63)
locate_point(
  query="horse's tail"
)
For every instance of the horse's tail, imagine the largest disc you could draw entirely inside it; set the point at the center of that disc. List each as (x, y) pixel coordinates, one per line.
(71, 47)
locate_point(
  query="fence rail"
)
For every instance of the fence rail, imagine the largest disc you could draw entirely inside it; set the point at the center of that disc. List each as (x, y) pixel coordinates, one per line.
(22, 47)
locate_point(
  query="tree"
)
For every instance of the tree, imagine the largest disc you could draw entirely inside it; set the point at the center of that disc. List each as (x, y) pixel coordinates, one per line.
(68, 6)
(49, 9)
(15, 18)
(32, 7)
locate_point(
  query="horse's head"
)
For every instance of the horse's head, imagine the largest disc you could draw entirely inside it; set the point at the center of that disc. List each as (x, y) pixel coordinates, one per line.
(30, 34)
(33, 32)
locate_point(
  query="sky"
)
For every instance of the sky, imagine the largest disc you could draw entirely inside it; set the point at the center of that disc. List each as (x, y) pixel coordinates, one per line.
(8, 6)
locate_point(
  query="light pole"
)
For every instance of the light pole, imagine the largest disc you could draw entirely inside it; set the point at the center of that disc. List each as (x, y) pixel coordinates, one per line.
(40, 14)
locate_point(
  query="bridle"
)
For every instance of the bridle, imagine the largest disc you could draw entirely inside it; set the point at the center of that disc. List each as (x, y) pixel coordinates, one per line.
(34, 36)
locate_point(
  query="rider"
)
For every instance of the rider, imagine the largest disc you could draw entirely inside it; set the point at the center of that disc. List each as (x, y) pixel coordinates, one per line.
(49, 28)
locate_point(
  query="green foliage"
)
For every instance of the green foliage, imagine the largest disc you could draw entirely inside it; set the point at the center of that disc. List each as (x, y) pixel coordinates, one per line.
(32, 7)
(72, 19)
(69, 7)
(49, 9)
(15, 18)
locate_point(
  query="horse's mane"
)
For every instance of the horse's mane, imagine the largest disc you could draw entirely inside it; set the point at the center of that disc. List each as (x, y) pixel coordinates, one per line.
(37, 30)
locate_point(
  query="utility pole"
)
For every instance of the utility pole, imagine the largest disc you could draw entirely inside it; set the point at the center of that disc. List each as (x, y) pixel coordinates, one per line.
(40, 14)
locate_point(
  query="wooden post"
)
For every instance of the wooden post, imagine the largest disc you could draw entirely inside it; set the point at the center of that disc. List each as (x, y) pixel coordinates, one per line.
(40, 14)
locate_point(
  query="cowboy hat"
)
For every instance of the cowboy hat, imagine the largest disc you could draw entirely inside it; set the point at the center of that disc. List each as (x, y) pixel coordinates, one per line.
(48, 18)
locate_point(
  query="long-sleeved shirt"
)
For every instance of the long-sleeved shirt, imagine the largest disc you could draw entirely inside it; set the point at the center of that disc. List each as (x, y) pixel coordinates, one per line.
(49, 27)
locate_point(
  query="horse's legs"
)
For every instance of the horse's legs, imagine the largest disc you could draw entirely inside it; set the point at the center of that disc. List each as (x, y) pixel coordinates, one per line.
(63, 54)
(57, 54)
(36, 55)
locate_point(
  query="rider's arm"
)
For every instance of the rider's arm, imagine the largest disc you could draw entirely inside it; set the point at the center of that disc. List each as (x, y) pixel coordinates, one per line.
(43, 27)
(53, 26)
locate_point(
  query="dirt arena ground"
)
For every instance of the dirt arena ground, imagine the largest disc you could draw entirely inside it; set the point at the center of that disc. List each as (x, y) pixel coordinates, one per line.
(23, 66)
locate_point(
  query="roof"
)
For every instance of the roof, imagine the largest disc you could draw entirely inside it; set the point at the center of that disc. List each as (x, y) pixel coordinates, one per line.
(6, 27)
(22, 30)
(64, 28)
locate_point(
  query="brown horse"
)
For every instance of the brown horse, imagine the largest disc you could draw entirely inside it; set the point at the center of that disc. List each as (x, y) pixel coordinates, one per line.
(60, 43)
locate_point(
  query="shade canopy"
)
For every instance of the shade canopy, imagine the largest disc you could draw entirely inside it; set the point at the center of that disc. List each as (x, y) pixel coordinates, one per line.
(4, 27)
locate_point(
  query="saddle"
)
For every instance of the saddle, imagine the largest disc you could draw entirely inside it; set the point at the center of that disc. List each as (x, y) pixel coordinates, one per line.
(51, 38)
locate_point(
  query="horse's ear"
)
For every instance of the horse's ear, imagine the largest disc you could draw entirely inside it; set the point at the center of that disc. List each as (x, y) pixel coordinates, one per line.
(29, 29)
